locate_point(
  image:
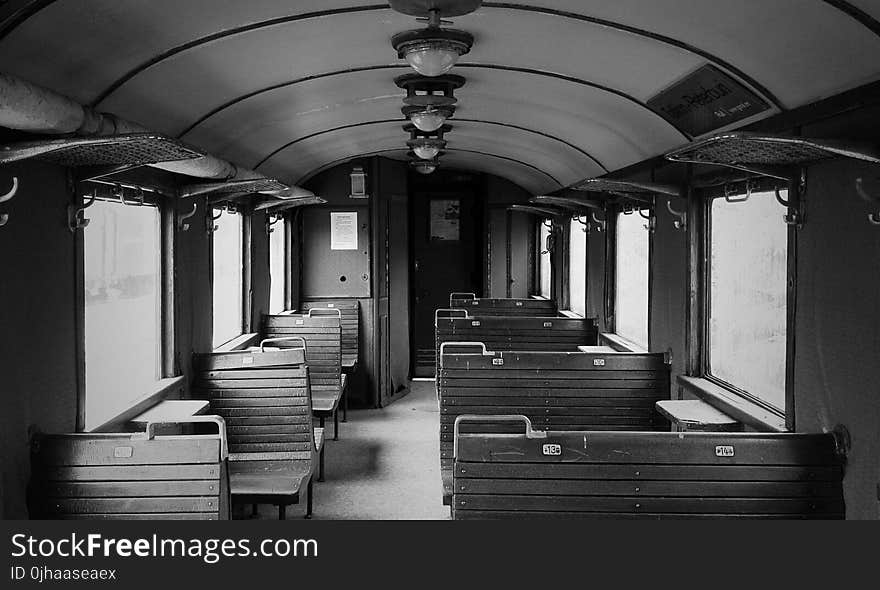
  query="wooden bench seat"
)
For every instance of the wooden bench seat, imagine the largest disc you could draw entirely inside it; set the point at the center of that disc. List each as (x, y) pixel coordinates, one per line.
(272, 442)
(322, 335)
(485, 306)
(514, 332)
(349, 310)
(645, 475)
(132, 476)
(555, 390)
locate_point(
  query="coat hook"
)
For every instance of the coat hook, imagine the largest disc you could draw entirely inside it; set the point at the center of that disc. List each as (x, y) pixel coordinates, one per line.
(680, 216)
(873, 218)
(270, 221)
(792, 217)
(4, 219)
(181, 218)
(119, 193)
(11, 192)
(729, 194)
(584, 223)
(210, 218)
(651, 226)
(76, 215)
(600, 223)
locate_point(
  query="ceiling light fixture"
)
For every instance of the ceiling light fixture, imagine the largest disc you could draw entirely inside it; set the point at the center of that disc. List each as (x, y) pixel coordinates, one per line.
(426, 145)
(429, 102)
(425, 166)
(433, 51)
(428, 118)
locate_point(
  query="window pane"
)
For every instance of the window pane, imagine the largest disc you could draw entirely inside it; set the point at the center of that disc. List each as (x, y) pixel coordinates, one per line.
(227, 244)
(631, 272)
(276, 266)
(747, 310)
(577, 268)
(123, 319)
(544, 263)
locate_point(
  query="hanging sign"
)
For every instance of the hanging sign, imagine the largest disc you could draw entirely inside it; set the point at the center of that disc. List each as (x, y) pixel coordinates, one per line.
(705, 100)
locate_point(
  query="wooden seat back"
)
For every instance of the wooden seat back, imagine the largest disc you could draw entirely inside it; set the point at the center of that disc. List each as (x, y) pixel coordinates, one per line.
(514, 332)
(323, 337)
(349, 312)
(555, 390)
(131, 476)
(645, 475)
(483, 306)
(267, 407)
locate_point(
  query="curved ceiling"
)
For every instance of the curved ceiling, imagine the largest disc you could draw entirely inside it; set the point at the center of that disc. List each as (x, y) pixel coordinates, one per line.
(556, 91)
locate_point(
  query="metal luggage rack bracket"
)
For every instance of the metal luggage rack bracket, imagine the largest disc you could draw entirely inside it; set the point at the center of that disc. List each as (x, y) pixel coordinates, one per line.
(533, 210)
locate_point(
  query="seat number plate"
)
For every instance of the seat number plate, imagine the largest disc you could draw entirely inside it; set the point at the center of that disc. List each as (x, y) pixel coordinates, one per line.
(123, 452)
(475, 324)
(300, 322)
(724, 451)
(598, 362)
(548, 324)
(247, 360)
(498, 362)
(519, 304)
(552, 450)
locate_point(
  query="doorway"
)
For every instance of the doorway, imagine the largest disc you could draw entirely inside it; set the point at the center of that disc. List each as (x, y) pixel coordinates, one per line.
(446, 221)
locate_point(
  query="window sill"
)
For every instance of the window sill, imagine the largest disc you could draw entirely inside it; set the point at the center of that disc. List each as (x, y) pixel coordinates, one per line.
(163, 389)
(735, 406)
(239, 343)
(620, 344)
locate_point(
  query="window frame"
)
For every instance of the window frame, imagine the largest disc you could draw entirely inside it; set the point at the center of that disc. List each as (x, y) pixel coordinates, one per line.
(246, 269)
(283, 224)
(611, 247)
(574, 224)
(169, 380)
(706, 196)
(540, 245)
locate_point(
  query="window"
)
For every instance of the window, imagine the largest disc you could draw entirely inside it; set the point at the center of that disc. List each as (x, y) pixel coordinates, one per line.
(577, 267)
(123, 307)
(544, 268)
(748, 258)
(227, 273)
(277, 259)
(631, 276)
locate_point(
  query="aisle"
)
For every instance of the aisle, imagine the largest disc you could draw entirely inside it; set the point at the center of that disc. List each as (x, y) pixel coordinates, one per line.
(386, 463)
(385, 466)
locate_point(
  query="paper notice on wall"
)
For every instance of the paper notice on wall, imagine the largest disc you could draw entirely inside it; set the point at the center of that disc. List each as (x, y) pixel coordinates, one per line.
(343, 230)
(445, 215)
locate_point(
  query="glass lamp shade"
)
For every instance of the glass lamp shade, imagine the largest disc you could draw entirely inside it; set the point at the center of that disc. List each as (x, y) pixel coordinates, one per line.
(431, 59)
(427, 120)
(425, 167)
(426, 152)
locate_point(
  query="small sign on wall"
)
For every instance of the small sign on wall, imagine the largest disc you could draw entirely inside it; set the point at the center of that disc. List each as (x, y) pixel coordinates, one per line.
(445, 217)
(343, 230)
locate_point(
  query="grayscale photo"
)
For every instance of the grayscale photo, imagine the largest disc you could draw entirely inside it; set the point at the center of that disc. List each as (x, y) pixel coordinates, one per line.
(435, 260)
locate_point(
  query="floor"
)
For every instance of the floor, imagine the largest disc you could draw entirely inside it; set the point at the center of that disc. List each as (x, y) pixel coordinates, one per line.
(385, 465)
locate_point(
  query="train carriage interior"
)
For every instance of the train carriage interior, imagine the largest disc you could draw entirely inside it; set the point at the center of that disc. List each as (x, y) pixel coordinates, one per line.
(440, 259)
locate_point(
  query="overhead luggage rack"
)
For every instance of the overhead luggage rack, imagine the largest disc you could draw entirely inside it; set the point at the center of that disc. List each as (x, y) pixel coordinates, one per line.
(284, 205)
(129, 150)
(568, 203)
(769, 155)
(541, 211)
(253, 185)
(626, 188)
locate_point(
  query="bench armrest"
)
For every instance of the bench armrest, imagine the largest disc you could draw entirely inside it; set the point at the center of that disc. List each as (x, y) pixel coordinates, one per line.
(150, 431)
(325, 311)
(284, 339)
(463, 312)
(530, 433)
(457, 295)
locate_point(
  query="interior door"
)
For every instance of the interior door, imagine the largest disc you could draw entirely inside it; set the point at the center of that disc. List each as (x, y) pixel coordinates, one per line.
(446, 257)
